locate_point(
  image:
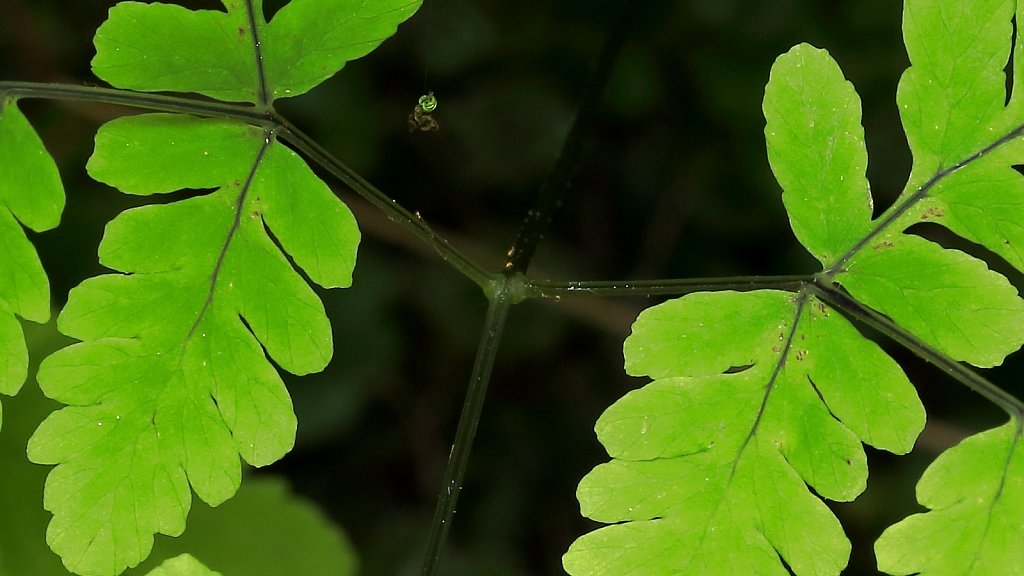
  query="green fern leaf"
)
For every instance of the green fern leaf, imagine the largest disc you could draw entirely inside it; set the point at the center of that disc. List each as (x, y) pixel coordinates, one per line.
(265, 529)
(172, 382)
(31, 195)
(946, 297)
(975, 491)
(710, 464)
(757, 395)
(232, 55)
(183, 565)
(965, 143)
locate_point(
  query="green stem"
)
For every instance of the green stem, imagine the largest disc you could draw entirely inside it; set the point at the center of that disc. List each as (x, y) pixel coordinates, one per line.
(395, 212)
(840, 300)
(195, 106)
(455, 471)
(509, 290)
(269, 120)
(670, 287)
(549, 198)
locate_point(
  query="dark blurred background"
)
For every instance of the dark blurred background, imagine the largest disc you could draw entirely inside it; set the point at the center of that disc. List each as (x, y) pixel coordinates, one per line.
(673, 182)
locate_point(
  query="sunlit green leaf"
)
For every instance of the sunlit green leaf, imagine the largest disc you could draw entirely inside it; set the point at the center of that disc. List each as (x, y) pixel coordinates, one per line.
(168, 47)
(172, 383)
(952, 97)
(975, 493)
(236, 55)
(816, 149)
(31, 195)
(265, 529)
(948, 298)
(310, 40)
(952, 104)
(712, 460)
(757, 395)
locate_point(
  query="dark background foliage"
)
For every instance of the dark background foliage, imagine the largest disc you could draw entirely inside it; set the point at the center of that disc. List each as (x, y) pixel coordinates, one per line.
(673, 182)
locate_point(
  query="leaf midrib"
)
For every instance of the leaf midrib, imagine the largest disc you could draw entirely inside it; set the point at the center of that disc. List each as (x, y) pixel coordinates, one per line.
(262, 90)
(268, 139)
(1007, 463)
(801, 302)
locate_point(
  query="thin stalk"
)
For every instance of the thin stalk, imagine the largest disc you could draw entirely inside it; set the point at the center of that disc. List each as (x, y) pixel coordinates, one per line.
(668, 287)
(508, 290)
(458, 459)
(270, 120)
(194, 106)
(844, 302)
(394, 211)
(549, 198)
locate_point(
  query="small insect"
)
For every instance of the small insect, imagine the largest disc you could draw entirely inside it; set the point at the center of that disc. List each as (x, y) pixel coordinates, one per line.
(420, 118)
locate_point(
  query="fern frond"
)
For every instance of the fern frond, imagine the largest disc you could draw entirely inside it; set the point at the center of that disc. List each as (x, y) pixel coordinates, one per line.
(758, 396)
(173, 382)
